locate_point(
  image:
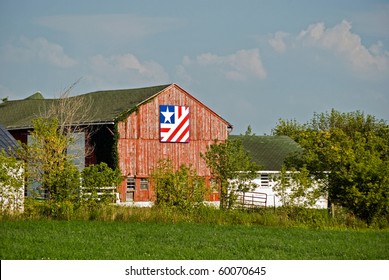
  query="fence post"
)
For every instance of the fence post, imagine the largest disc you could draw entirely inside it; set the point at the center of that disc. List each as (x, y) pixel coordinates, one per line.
(274, 203)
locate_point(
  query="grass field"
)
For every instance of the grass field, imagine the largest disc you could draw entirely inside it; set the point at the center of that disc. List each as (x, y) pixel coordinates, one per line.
(106, 240)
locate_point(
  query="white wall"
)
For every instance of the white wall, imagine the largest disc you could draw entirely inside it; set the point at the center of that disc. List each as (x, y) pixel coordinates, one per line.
(266, 185)
(12, 199)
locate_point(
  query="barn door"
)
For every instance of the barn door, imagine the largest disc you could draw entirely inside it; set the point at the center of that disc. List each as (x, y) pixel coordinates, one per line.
(130, 189)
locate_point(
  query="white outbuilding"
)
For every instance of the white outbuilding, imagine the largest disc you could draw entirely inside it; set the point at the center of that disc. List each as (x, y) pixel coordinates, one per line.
(11, 175)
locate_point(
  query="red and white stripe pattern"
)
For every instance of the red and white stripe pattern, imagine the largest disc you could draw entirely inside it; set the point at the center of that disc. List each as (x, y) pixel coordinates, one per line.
(174, 123)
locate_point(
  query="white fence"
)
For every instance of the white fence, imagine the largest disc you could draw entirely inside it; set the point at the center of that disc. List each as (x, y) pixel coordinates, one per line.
(100, 193)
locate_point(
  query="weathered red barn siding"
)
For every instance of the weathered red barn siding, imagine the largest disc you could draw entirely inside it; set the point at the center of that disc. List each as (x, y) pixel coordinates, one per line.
(140, 148)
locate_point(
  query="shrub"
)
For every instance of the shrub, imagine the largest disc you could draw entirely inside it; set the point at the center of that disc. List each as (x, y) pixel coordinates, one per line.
(182, 189)
(99, 182)
(65, 184)
(62, 210)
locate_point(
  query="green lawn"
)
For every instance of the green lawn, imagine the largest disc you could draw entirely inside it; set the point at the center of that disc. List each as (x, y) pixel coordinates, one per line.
(125, 240)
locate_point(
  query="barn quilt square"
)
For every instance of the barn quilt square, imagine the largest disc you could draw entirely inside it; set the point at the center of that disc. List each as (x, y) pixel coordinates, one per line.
(174, 123)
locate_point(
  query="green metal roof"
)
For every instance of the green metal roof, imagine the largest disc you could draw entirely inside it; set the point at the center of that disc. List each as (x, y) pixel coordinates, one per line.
(36, 95)
(106, 106)
(269, 151)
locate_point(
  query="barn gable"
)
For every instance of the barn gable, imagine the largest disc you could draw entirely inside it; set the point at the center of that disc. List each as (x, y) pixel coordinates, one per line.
(140, 147)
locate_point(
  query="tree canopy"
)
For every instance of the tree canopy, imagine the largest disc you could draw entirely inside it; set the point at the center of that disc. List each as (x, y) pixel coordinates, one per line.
(232, 168)
(351, 152)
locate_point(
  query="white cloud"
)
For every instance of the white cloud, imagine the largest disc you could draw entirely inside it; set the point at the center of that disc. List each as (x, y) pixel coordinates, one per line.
(277, 42)
(242, 65)
(37, 50)
(347, 45)
(124, 70)
(377, 49)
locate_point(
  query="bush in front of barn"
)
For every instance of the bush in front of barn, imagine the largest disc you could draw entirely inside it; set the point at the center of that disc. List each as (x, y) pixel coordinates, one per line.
(97, 189)
(181, 189)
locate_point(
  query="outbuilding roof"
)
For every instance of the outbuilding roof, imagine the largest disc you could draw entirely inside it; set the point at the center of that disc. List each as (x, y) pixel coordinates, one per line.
(106, 106)
(7, 142)
(269, 151)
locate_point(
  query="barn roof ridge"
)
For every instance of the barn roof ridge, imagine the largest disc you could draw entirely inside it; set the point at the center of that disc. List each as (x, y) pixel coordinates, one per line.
(212, 111)
(107, 106)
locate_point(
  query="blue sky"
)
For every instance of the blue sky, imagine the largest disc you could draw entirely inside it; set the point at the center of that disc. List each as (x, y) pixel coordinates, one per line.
(253, 62)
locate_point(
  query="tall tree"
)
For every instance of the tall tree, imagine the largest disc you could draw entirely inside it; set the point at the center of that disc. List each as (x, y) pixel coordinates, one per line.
(350, 151)
(72, 114)
(48, 165)
(232, 169)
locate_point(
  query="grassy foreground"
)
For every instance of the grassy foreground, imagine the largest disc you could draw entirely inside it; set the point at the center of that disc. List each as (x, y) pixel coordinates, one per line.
(110, 240)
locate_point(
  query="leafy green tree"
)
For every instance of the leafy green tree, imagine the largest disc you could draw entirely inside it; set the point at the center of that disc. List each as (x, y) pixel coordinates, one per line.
(47, 161)
(282, 185)
(99, 181)
(351, 152)
(63, 183)
(182, 188)
(297, 188)
(232, 169)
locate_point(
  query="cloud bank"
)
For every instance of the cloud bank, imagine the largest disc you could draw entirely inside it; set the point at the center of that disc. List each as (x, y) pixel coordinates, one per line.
(277, 42)
(38, 50)
(346, 45)
(238, 66)
(340, 40)
(125, 69)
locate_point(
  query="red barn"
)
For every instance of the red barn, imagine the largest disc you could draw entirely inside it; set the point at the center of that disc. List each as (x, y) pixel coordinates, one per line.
(134, 129)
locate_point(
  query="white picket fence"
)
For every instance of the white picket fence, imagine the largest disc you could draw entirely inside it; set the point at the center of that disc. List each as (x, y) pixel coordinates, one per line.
(99, 193)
